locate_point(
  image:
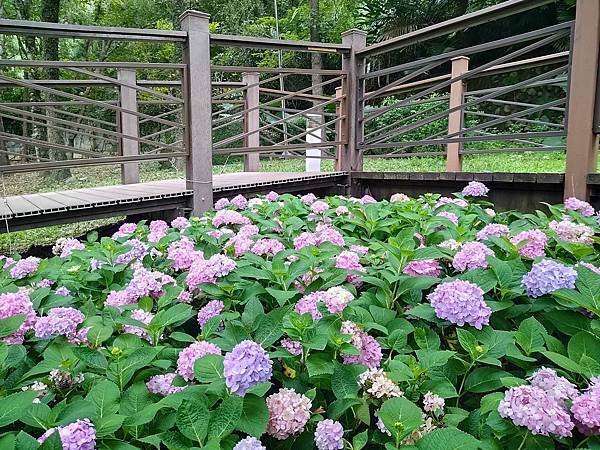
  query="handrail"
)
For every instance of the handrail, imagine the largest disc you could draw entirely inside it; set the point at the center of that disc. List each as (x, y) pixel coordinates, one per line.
(482, 16)
(226, 40)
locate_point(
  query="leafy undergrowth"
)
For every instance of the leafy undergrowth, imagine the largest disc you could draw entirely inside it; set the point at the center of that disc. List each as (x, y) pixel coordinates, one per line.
(297, 323)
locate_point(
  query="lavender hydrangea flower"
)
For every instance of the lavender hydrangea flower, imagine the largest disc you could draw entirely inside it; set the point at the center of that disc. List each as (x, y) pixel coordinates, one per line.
(125, 230)
(547, 276)
(183, 254)
(492, 229)
(288, 413)
(475, 189)
(460, 302)
(308, 199)
(227, 217)
(138, 250)
(432, 402)
(180, 223)
(472, 255)
(423, 268)
(586, 409)
(304, 240)
(163, 384)
(531, 407)
(62, 291)
(158, 229)
(245, 366)
(451, 201)
(329, 435)
(294, 347)
(24, 267)
(556, 386)
(574, 204)
(208, 270)
(319, 207)
(569, 231)
(16, 303)
(267, 247)
(239, 201)
(341, 210)
(326, 233)
(249, 443)
(45, 283)
(59, 321)
(308, 304)
(531, 243)
(79, 435)
(369, 349)
(366, 199)
(222, 203)
(337, 298)
(63, 247)
(210, 310)
(188, 356)
(141, 316)
(272, 196)
(450, 216)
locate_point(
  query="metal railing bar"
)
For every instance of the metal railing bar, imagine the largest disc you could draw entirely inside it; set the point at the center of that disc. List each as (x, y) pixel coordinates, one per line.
(557, 81)
(107, 65)
(293, 110)
(322, 127)
(247, 86)
(280, 92)
(24, 155)
(312, 108)
(472, 72)
(163, 114)
(479, 48)
(159, 132)
(288, 70)
(293, 125)
(88, 162)
(405, 155)
(9, 137)
(80, 116)
(129, 85)
(513, 150)
(228, 121)
(513, 103)
(229, 110)
(531, 121)
(225, 40)
(270, 148)
(482, 16)
(522, 141)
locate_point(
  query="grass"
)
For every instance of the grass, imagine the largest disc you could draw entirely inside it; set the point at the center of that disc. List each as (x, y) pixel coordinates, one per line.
(22, 241)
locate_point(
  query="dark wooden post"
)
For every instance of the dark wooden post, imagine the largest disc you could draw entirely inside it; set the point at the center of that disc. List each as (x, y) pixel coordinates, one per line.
(460, 65)
(129, 126)
(252, 120)
(354, 66)
(582, 143)
(196, 56)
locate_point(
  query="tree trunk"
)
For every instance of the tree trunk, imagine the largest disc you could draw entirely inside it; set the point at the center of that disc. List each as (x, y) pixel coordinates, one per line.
(315, 58)
(50, 13)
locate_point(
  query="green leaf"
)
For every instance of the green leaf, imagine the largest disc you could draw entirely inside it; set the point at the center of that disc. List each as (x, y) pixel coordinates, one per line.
(192, 419)
(360, 440)
(485, 379)
(344, 380)
(319, 364)
(400, 416)
(105, 396)
(530, 336)
(255, 416)
(448, 439)
(98, 334)
(584, 344)
(15, 406)
(226, 416)
(92, 357)
(11, 324)
(209, 368)
(564, 362)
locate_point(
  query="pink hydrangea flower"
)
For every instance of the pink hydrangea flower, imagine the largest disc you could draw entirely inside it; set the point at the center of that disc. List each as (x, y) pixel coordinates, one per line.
(475, 189)
(574, 204)
(304, 240)
(369, 349)
(432, 402)
(63, 247)
(188, 356)
(451, 201)
(180, 223)
(341, 210)
(294, 347)
(158, 230)
(163, 384)
(569, 231)
(125, 230)
(530, 243)
(460, 302)
(586, 409)
(492, 229)
(288, 413)
(210, 310)
(450, 216)
(16, 303)
(24, 267)
(141, 316)
(227, 217)
(222, 203)
(59, 322)
(423, 267)
(183, 254)
(472, 255)
(267, 247)
(399, 198)
(308, 199)
(272, 196)
(329, 435)
(366, 199)
(319, 207)
(239, 201)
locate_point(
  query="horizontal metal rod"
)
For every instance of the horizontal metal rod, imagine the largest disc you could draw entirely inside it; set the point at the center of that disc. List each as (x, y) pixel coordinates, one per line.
(312, 129)
(482, 16)
(243, 86)
(9, 137)
(404, 155)
(280, 92)
(553, 81)
(513, 103)
(34, 167)
(163, 114)
(271, 148)
(100, 64)
(535, 122)
(24, 155)
(224, 40)
(289, 70)
(514, 150)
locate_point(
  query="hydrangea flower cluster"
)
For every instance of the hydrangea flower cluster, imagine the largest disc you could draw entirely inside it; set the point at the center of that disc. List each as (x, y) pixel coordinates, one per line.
(228, 217)
(212, 309)
(124, 230)
(574, 204)
(547, 276)
(369, 349)
(423, 268)
(141, 316)
(472, 255)
(288, 413)
(329, 435)
(17, 303)
(163, 384)
(144, 283)
(294, 347)
(158, 230)
(79, 435)
(460, 302)
(569, 231)
(208, 270)
(24, 267)
(586, 409)
(450, 216)
(475, 189)
(245, 366)
(399, 198)
(531, 243)
(239, 202)
(377, 384)
(433, 402)
(270, 247)
(180, 223)
(65, 246)
(451, 201)
(249, 443)
(183, 254)
(59, 322)
(138, 250)
(492, 229)
(188, 356)
(350, 261)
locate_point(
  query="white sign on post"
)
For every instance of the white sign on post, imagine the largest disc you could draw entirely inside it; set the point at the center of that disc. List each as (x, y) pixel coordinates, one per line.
(314, 136)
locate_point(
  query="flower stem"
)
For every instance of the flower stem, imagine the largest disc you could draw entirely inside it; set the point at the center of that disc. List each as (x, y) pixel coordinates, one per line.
(523, 441)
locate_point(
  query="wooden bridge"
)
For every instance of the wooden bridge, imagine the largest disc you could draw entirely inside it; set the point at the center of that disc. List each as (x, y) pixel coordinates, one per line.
(373, 101)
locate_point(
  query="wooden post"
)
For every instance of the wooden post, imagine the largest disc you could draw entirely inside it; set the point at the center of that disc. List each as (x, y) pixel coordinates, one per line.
(129, 126)
(252, 121)
(582, 143)
(354, 66)
(460, 65)
(196, 56)
(341, 130)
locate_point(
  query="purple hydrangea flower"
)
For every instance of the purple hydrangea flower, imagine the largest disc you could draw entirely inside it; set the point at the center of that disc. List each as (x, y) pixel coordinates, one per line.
(569, 231)
(249, 443)
(341, 210)
(556, 386)
(574, 204)
(183, 254)
(329, 435)
(65, 246)
(369, 349)
(547, 276)
(222, 203)
(125, 230)
(294, 347)
(472, 255)
(336, 299)
(492, 229)
(180, 223)
(366, 199)
(16, 303)
(210, 310)
(24, 267)
(158, 229)
(272, 196)
(422, 268)
(62, 291)
(308, 199)
(267, 247)
(586, 409)
(141, 316)
(45, 283)
(288, 413)
(208, 270)
(239, 201)
(228, 217)
(450, 216)
(319, 207)
(79, 435)
(350, 261)
(531, 243)
(59, 322)
(533, 408)
(432, 402)
(245, 366)
(460, 302)
(308, 304)
(475, 189)
(138, 250)
(451, 201)
(163, 384)
(188, 356)
(304, 239)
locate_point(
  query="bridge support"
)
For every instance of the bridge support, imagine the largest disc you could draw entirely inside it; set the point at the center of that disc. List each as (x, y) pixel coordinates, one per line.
(252, 120)
(198, 110)
(460, 65)
(129, 126)
(582, 142)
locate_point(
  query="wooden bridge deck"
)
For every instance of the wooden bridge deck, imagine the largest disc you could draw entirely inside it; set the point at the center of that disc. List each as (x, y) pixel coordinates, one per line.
(51, 208)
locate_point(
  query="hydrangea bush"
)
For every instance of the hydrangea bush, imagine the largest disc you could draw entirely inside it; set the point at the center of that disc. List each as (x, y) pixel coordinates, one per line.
(286, 322)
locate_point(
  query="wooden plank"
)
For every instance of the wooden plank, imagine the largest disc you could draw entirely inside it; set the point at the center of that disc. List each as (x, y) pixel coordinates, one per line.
(44, 203)
(65, 200)
(5, 211)
(20, 206)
